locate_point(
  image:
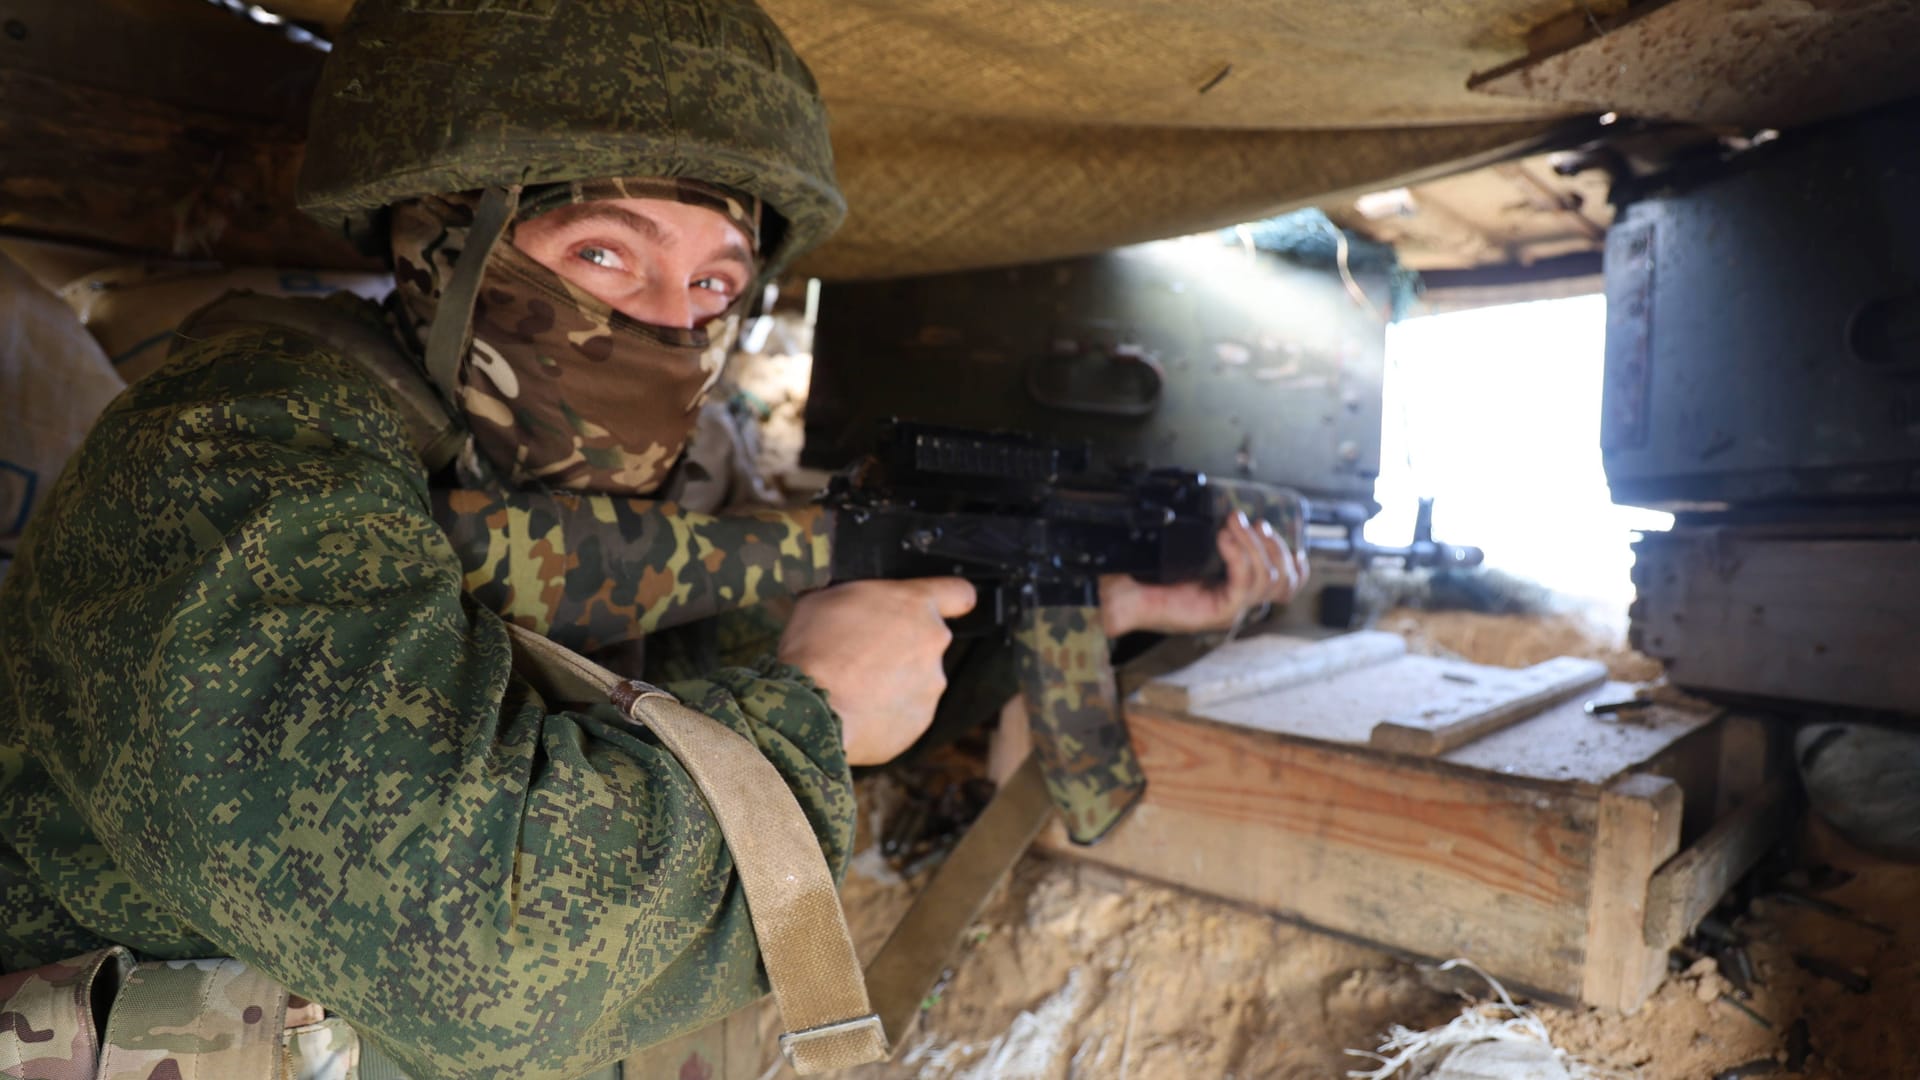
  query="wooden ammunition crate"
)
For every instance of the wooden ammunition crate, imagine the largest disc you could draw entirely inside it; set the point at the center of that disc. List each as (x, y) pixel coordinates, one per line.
(1564, 854)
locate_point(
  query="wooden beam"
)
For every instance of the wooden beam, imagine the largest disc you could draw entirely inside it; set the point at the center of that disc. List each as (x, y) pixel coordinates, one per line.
(326, 15)
(167, 128)
(1811, 619)
(1638, 829)
(1688, 886)
(189, 53)
(129, 173)
(1728, 62)
(1264, 664)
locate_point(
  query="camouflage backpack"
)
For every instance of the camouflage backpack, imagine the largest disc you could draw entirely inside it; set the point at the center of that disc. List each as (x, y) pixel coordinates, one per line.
(101, 1015)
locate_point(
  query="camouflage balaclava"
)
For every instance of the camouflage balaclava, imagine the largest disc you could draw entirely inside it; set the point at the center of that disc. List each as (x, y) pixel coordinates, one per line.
(509, 98)
(560, 390)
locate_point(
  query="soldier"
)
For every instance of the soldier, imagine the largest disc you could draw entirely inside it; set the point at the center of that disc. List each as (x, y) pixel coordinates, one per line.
(255, 704)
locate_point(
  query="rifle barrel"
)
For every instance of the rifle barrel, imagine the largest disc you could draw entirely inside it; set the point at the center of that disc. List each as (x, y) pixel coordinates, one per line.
(1429, 554)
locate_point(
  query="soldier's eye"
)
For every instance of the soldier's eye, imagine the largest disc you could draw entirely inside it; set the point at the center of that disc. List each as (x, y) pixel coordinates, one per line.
(715, 284)
(599, 256)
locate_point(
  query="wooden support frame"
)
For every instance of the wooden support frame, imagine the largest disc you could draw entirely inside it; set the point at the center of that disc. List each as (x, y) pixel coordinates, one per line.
(1566, 890)
(1419, 858)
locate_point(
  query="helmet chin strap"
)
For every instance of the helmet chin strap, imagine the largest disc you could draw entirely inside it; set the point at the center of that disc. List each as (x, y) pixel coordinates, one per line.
(453, 316)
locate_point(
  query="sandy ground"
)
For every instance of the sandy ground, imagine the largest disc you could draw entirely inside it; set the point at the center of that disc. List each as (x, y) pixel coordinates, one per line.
(1868, 1030)
(1077, 972)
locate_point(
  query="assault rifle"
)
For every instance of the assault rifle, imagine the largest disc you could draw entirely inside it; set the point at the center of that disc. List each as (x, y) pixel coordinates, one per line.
(1033, 524)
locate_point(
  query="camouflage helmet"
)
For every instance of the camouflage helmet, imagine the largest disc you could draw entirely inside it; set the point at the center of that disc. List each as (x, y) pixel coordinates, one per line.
(428, 97)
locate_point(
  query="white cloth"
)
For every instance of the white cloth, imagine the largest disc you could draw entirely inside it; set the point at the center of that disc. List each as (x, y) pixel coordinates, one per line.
(54, 381)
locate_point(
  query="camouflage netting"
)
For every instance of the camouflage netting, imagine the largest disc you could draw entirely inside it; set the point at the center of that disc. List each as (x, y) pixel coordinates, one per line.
(971, 134)
(1310, 238)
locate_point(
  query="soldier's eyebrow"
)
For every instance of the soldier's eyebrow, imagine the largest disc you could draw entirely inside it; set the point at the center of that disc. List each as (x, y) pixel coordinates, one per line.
(565, 216)
(734, 253)
(599, 211)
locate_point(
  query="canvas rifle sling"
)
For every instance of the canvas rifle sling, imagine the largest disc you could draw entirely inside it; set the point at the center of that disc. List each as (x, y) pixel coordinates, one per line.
(908, 967)
(791, 897)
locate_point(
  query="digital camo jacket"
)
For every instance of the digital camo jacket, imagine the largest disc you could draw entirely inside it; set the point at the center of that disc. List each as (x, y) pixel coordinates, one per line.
(248, 709)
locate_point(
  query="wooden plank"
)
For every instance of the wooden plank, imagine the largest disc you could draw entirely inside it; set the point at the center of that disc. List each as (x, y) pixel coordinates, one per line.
(1416, 856)
(327, 15)
(1745, 763)
(1272, 662)
(1344, 708)
(1768, 616)
(1437, 729)
(1692, 882)
(1562, 744)
(1694, 764)
(1638, 829)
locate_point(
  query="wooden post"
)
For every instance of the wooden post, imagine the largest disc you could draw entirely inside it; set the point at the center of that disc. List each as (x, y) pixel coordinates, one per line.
(1638, 830)
(1745, 763)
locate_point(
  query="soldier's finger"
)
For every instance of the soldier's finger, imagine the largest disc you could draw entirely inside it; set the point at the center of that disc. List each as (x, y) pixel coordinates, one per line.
(1259, 581)
(1261, 584)
(1274, 549)
(1238, 557)
(951, 597)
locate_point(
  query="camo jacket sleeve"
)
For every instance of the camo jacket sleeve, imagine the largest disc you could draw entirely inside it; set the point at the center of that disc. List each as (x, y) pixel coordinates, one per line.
(591, 570)
(238, 644)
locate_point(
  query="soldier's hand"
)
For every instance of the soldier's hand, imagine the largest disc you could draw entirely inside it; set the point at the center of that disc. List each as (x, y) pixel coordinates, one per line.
(1261, 569)
(875, 648)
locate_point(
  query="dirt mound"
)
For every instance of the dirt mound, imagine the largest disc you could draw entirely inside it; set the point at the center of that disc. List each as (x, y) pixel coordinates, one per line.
(1517, 640)
(1846, 992)
(1079, 972)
